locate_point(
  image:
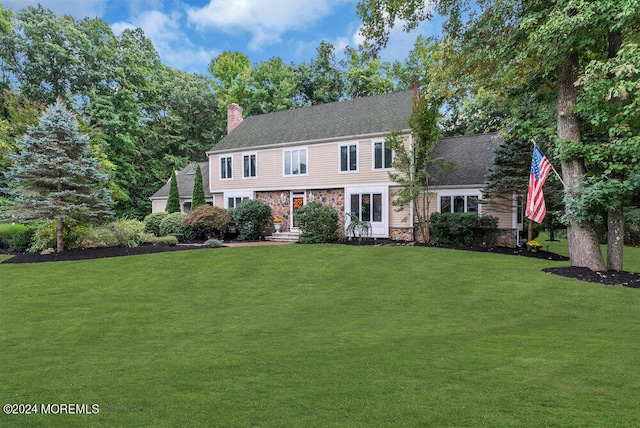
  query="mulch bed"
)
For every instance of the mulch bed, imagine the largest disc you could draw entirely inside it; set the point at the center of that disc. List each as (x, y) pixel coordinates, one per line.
(97, 253)
(625, 279)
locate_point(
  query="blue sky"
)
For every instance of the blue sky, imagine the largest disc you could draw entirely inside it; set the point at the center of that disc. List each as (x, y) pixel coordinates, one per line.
(188, 33)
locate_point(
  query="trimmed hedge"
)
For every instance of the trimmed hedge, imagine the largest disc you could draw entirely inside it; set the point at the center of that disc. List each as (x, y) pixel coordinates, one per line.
(172, 225)
(152, 222)
(465, 229)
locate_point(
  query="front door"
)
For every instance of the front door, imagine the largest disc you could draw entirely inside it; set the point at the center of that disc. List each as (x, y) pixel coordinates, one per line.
(298, 199)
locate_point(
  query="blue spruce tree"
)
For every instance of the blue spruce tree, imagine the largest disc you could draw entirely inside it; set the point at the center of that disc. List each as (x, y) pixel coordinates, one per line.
(54, 177)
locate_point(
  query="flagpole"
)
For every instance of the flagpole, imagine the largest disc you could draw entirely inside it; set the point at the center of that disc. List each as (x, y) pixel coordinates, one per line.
(552, 167)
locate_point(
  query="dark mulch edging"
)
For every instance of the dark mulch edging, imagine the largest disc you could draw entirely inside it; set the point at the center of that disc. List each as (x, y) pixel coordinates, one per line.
(497, 250)
(97, 253)
(625, 279)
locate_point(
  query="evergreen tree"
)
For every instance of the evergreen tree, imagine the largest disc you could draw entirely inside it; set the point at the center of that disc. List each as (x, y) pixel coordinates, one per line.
(173, 201)
(197, 196)
(54, 176)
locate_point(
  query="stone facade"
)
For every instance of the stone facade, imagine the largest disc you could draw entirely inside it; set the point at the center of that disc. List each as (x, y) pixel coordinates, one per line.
(280, 203)
(401, 233)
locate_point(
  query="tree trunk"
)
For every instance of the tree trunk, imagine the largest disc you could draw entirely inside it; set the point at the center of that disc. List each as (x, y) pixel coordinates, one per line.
(530, 231)
(615, 217)
(584, 249)
(615, 238)
(60, 236)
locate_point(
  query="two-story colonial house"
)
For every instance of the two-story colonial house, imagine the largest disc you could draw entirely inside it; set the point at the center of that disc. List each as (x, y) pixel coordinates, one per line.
(335, 153)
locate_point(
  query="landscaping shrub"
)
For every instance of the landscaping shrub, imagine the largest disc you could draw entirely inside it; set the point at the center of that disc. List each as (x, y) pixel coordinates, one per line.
(468, 229)
(172, 225)
(207, 221)
(21, 240)
(128, 233)
(318, 223)
(152, 223)
(75, 237)
(7, 231)
(251, 218)
(213, 243)
(163, 240)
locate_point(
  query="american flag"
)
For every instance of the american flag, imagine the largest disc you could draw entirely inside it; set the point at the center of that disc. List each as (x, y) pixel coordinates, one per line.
(540, 168)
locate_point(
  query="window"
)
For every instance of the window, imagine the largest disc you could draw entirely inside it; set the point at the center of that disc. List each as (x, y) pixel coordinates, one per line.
(459, 204)
(249, 166)
(367, 206)
(382, 155)
(233, 202)
(349, 158)
(295, 162)
(226, 168)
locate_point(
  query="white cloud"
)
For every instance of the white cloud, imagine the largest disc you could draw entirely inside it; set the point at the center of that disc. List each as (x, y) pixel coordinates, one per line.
(172, 44)
(266, 21)
(76, 8)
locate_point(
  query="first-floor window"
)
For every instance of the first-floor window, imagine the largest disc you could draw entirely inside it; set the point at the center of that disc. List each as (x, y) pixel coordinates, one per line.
(233, 202)
(226, 168)
(249, 166)
(295, 162)
(459, 204)
(367, 206)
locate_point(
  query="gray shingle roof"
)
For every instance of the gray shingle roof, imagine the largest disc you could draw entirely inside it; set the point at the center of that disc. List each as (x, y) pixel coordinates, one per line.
(361, 116)
(185, 182)
(472, 154)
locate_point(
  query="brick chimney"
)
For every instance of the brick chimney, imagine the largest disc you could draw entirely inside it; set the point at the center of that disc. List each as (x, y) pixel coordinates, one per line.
(234, 116)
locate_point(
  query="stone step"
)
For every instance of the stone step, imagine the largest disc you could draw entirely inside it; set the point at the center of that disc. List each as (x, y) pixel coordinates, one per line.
(284, 237)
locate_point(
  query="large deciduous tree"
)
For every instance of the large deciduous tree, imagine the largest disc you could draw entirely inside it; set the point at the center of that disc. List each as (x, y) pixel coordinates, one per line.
(510, 43)
(54, 177)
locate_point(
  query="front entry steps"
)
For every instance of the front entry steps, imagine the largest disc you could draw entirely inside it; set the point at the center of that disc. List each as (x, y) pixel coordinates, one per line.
(284, 237)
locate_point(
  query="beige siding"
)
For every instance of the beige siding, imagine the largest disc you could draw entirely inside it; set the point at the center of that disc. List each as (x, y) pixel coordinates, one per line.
(323, 169)
(501, 208)
(218, 200)
(401, 218)
(158, 205)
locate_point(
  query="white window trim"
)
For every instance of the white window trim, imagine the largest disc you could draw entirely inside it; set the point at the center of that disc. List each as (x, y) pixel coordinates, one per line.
(348, 171)
(239, 194)
(291, 149)
(250, 177)
(220, 166)
(461, 192)
(373, 156)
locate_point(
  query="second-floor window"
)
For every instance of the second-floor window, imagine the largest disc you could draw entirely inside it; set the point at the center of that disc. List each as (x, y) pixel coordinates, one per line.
(295, 162)
(382, 155)
(249, 166)
(349, 158)
(226, 168)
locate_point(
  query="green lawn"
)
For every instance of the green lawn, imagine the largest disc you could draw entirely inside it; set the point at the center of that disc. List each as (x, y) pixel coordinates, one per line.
(319, 335)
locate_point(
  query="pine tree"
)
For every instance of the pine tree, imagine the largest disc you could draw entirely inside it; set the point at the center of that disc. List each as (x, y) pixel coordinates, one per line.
(197, 196)
(54, 177)
(173, 201)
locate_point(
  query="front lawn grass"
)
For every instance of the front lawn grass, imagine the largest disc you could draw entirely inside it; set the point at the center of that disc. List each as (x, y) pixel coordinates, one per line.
(319, 335)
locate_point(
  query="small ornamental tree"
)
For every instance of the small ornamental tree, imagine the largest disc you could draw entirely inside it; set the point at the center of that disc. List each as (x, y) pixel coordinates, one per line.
(173, 201)
(197, 196)
(414, 169)
(54, 177)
